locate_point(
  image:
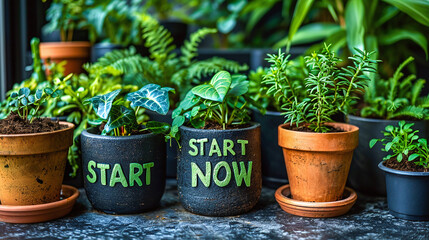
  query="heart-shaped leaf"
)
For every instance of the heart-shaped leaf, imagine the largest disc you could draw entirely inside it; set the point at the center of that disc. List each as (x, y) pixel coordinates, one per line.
(151, 97)
(217, 89)
(120, 116)
(24, 91)
(102, 104)
(239, 85)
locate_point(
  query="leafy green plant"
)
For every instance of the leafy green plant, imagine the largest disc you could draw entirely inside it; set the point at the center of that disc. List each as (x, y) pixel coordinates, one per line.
(397, 97)
(120, 120)
(163, 66)
(330, 89)
(221, 101)
(403, 143)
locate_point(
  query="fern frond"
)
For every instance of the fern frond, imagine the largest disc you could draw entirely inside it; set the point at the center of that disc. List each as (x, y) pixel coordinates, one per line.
(210, 66)
(411, 112)
(190, 47)
(416, 90)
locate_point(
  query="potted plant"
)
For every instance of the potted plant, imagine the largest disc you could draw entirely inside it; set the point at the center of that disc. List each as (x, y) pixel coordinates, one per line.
(124, 163)
(385, 102)
(33, 151)
(66, 16)
(267, 111)
(406, 169)
(164, 67)
(318, 151)
(219, 164)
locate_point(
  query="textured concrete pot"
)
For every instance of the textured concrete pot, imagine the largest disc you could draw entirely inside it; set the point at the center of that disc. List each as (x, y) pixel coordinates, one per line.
(407, 193)
(219, 171)
(100, 49)
(364, 174)
(32, 166)
(273, 165)
(172, 150)
(318, 163)
(123, 175)
(75, 53)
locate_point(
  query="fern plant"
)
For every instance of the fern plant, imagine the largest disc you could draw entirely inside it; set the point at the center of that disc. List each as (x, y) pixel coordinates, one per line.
(163, 66)
(329, 89)
(397, 97)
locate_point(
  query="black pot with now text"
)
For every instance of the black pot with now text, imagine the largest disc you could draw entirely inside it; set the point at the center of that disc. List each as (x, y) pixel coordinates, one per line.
(219, 171)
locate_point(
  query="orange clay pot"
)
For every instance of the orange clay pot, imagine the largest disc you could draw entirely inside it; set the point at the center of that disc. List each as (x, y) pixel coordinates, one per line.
(318, 163)
(32, 166)
(75, 53)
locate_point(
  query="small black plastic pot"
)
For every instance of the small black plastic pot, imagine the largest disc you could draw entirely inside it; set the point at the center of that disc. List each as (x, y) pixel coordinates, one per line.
(123, 175)
(274, 172)
(98, 50)
(407, 193)
(219, 171)
(171, 149)
(364, 176)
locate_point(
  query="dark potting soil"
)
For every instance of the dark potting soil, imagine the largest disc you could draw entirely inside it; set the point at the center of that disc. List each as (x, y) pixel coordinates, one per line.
(307, 129)
(404, 165)
(216, 126)
(14, 124)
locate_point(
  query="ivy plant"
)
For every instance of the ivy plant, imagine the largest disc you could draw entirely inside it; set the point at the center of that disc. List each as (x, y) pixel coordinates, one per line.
(329, 89)
(118, 119)
(403, 143)
(398, 97)
(221, 101)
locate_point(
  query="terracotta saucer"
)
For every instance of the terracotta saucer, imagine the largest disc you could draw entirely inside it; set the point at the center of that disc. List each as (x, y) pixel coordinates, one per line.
(315, 209)
(41, 212)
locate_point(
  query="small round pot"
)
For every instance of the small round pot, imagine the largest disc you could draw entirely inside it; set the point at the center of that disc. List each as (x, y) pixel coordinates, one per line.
(100, 49)
(123, 175)
(273, 165)
(219, 171)
(172, 149)
(75, 53)
(318, 163)
(32, 166)
(407, 193)
(364, 175)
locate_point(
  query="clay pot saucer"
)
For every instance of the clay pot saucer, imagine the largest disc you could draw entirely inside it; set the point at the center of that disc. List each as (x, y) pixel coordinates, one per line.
(41, 212)
(315, 209)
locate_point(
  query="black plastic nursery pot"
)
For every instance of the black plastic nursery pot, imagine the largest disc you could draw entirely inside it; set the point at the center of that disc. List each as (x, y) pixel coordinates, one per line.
(172, 149)
(219, 171)
(407, 193)
(123, 175)
(274, 172)
(98, 50)
(364, 174)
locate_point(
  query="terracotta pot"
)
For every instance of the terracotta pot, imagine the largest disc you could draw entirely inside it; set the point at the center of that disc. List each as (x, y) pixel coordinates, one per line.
(32, 166)
(75, 53)
(318, 163)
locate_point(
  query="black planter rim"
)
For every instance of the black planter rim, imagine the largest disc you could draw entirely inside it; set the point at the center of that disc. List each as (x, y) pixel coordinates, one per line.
(118, 138)
(402, 173)
(375, 120)
(254, 125)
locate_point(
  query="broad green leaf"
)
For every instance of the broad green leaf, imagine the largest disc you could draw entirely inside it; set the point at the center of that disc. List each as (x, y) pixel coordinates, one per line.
(355, 25)
(24, 101)
(399, 157)
(189, 101)
(24, 91)
(31, 99)
(38, 94)
(102, 104)
(14, 95)
(217, 89)
(301, 9)
(48, 91)
(178, 121)
(413, 156)
(310, 33)
(388, 146)
(158, 127)
(372, 143)
(396, 35)
(386, 14)
(239, 85)
(417, 9)
(151, 97)
(226, 24)
(120, 116)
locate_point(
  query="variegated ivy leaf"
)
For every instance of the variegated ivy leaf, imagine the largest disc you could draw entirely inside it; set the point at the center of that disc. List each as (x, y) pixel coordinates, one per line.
(120, 116)
(151, 97)
(217, 89)
(102, 104)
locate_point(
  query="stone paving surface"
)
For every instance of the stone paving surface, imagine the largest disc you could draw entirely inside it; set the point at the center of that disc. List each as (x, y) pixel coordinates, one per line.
(368, 219)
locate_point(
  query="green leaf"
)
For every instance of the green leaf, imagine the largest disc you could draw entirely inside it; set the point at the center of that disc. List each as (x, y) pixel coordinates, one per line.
(399, 157)
(151, 97)
(310, 33)
(239, 86)
(417, 9)
(225, 25)
(372, 143)
(388, 146)
(396, 35)
(355, 15)
(413, 156)
(102, 104)
(301, 9)
(178, 121)
(39, 94)
(24, 101)
(48, 91)
(24, 91)
(189, 101)
(31, 99)
(14, 95)
(120, 116)
(217, 89)
(158, 127)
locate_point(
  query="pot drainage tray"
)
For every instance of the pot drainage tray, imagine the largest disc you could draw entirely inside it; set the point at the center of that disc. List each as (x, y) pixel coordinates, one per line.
(315, 209)
(41, 212)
